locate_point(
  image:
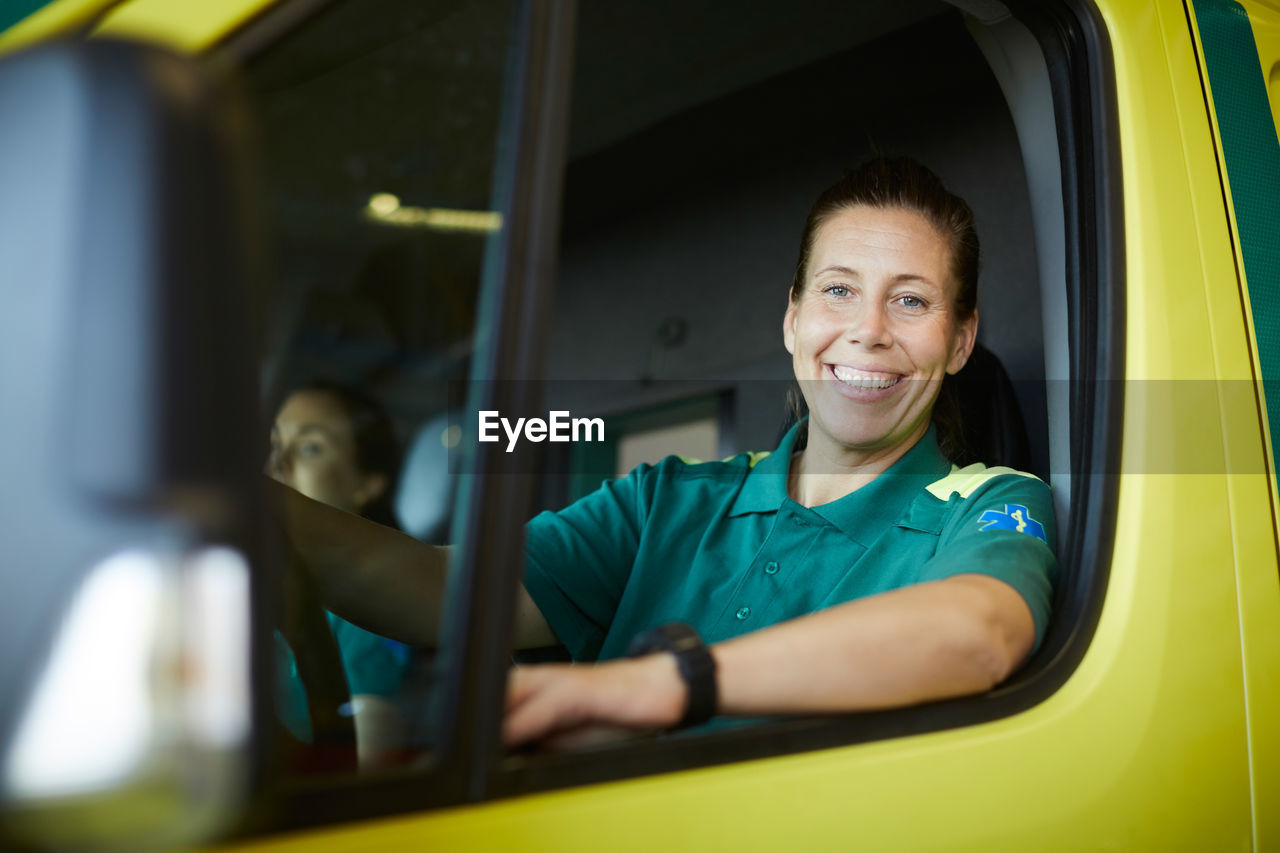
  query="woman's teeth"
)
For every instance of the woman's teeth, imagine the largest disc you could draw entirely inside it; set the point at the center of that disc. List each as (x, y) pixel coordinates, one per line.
(863, 379)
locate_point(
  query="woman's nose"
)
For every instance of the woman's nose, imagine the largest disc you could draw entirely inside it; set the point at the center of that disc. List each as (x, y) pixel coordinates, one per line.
(871, 326)
(277, 462)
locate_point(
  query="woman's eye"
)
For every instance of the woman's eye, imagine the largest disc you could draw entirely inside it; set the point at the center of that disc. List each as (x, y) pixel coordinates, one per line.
(310, 448)
(911, 301)
(837, 290)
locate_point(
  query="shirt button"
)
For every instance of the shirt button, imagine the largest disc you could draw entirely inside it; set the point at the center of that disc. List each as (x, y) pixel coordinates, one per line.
(770, 568)
(743, 613)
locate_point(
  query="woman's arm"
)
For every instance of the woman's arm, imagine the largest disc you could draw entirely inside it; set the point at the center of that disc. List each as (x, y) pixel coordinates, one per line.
(951, 637)
(377, 577)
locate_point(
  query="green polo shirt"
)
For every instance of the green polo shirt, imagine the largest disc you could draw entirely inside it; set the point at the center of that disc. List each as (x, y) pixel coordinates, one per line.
(721, 545)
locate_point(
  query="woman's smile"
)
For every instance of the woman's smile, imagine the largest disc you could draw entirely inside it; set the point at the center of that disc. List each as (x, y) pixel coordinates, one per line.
(865, 385)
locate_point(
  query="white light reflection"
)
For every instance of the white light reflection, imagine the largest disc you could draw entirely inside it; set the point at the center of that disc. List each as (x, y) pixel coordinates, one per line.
(217, 647)
(89, 720)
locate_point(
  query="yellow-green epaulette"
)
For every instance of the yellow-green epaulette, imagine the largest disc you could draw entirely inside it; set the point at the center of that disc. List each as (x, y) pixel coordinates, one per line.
(753, 457)
(966, 480)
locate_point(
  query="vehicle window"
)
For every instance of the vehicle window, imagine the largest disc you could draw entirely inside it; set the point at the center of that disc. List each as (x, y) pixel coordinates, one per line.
(696, 146)
(692, 162)
(379, 125)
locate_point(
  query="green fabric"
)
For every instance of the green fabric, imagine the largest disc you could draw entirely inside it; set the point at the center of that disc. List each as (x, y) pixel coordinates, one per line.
(373, 664)
(1252, 153)
(13, 11)
(721, 546)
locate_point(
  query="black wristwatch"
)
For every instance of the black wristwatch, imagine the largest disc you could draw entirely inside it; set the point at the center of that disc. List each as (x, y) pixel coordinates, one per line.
(693, 659)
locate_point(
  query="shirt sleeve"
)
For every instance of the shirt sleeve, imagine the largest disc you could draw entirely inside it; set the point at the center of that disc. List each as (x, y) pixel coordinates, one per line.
(578, 561)
(374, 664)
(1004, 529)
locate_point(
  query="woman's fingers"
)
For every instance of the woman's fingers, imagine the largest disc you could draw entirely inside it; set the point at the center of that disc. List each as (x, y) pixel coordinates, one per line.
(557, 699)
(542, 700)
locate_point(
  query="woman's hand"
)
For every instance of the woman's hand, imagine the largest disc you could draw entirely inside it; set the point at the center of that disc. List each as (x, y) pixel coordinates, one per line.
(566, 705)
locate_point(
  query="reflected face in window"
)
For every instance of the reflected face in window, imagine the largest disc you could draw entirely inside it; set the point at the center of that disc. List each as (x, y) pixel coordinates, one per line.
(313, 450)
(875, 330)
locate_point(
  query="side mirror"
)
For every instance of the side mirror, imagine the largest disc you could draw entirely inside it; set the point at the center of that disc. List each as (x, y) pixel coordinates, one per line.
(130, 446)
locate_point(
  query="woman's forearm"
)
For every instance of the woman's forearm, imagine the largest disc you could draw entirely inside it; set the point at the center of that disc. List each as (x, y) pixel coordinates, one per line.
(374, 576)
(379, 578)
(931, 641)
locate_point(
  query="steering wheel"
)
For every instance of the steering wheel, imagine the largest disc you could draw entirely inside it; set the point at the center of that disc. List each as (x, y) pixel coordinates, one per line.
(306, 629)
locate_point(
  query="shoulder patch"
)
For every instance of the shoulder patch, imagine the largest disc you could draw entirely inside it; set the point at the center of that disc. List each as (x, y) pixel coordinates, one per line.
(753, 457)
(965, 481)
(1015, 517)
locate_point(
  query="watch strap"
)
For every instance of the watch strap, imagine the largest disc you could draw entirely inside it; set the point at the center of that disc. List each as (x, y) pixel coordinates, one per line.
(694, 662)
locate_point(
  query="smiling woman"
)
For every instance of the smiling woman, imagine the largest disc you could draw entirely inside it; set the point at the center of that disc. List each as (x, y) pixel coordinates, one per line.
(855, 567)
(924, 592)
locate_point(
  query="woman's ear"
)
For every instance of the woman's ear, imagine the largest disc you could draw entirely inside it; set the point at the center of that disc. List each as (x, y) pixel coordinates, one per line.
(370, 489)
(789, 328)
(966, 335)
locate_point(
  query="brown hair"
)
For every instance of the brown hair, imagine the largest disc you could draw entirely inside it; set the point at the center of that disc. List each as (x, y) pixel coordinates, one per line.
(901, 182)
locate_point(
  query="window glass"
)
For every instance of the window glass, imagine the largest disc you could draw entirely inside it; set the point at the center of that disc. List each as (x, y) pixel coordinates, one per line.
(698, 144)
(379, 125)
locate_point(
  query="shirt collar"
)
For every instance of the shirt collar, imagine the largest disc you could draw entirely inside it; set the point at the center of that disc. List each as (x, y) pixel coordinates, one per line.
(860, 514)
(766, 485)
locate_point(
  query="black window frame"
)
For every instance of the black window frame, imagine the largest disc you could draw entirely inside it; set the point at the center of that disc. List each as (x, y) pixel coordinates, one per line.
(528, 174)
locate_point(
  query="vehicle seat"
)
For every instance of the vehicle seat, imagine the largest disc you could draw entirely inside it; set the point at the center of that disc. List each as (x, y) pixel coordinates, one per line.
(424, 497)
(991, 418)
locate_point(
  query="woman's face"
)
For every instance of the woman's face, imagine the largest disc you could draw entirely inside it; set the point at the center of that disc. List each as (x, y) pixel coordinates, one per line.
(874, 330)
(313, 450)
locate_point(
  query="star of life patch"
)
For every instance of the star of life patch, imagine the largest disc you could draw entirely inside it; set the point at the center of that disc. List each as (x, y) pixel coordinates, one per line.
(1015, 517)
